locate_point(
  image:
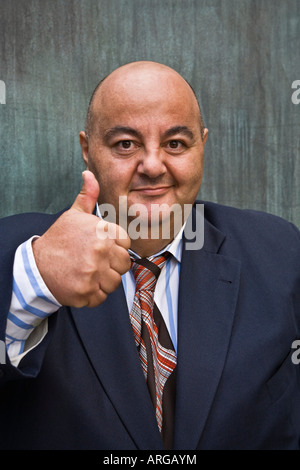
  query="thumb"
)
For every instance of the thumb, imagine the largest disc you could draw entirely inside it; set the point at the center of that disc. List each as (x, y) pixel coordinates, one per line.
(87, 198)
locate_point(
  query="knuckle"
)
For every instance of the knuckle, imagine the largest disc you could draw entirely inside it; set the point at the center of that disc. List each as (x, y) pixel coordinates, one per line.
(111, 283)
(127, 265)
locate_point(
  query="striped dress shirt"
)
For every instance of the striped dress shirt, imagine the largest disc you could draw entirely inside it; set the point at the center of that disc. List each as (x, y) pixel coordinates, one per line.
(32, 302)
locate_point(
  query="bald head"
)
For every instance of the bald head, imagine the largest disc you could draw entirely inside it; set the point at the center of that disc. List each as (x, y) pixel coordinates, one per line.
(140, 80)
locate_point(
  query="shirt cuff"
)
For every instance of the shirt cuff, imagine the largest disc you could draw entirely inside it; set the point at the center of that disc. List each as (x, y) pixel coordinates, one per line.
(31, 303)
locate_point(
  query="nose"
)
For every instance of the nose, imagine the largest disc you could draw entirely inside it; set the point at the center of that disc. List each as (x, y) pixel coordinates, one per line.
(152, 163)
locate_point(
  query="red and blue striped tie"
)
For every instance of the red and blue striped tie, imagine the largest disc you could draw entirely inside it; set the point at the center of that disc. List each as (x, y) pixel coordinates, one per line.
(157, 355)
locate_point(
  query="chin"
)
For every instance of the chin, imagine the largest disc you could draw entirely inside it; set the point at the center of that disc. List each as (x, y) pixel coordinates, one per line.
(154, 221)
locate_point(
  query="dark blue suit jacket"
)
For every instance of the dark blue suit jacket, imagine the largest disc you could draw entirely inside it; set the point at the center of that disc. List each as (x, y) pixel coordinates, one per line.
(237, 387)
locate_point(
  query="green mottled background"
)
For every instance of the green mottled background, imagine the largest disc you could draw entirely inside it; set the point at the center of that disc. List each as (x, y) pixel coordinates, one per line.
(241, 56)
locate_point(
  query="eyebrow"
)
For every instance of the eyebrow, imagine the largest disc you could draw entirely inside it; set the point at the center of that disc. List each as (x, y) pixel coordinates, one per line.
(179, 130)
(110, 133)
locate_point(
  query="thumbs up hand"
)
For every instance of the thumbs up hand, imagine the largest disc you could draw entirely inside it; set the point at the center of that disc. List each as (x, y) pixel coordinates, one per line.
(79, 267)
(88, 196)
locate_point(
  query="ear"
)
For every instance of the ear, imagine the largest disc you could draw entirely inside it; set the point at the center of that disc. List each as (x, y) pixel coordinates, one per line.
(84, 147)
(205, 134)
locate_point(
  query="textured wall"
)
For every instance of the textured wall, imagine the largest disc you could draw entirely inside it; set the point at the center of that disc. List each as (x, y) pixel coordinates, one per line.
(241, 56)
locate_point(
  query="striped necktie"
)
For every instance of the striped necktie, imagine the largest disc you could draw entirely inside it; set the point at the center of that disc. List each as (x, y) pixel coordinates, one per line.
(157, 355)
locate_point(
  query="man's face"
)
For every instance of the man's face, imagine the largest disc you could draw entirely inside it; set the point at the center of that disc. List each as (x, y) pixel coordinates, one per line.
(146, 141)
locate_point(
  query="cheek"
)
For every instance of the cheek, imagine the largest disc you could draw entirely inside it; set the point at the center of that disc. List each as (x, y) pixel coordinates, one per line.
(106, 172)
(113, 182)
(189, 175)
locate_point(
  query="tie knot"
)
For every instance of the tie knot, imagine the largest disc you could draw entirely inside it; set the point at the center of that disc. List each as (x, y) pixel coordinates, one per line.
(147, 270)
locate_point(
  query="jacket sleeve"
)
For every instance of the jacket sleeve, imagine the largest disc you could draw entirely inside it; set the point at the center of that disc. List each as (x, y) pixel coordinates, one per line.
(14, 231)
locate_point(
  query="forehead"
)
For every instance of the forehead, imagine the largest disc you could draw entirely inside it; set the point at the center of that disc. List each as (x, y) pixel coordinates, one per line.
(152, 96)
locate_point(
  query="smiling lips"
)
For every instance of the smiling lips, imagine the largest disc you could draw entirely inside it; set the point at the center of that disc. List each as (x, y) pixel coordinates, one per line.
(152, 191)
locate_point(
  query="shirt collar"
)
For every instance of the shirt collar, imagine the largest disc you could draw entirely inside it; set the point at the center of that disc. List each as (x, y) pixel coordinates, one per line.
(175, 247)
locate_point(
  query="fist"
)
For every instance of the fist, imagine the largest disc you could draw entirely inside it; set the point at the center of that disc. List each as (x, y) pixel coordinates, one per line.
(80, 264)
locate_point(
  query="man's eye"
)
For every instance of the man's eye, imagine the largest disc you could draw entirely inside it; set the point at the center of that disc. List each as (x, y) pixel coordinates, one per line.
(125, 144)
(125, 147)
(176, 145)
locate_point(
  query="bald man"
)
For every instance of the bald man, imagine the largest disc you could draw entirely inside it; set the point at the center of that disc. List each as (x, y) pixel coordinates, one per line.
(215, 369)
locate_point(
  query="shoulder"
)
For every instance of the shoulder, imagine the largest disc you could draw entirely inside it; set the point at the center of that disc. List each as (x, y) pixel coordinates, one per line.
(228, 218)
(15, 229)
(253, 230)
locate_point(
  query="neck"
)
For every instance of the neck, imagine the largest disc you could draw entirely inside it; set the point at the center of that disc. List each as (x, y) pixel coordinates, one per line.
(153, 238)
(145, 248)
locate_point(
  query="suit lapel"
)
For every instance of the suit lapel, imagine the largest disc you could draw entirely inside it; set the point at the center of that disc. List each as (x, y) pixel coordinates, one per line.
(207, 297)
(108, 339)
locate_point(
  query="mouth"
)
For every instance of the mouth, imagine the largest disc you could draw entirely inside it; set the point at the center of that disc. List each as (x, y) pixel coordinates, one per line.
(152, 190)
